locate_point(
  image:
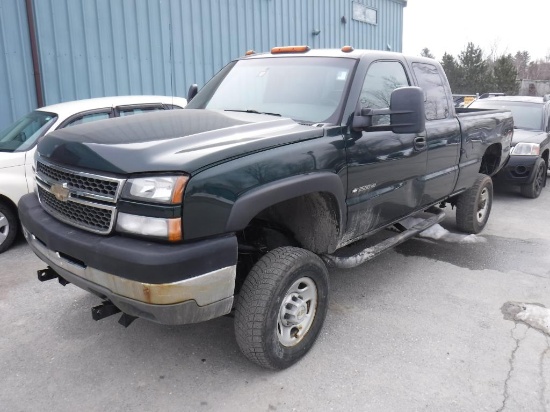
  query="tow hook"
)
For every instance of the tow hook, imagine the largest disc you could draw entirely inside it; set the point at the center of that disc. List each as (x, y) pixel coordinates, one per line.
(104, 310)
(107, 308)
(50, 274)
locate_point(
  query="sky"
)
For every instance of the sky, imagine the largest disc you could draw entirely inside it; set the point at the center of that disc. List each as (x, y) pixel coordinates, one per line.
(502, 25)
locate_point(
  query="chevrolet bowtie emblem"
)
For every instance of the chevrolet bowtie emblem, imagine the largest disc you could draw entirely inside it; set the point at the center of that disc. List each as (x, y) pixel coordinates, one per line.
(60, 191)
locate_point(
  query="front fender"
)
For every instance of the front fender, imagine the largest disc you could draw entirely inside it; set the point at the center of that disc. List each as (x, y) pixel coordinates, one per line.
(256, 200)
(13, 183)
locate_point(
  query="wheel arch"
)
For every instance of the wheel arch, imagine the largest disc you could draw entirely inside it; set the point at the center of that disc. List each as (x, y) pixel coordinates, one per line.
(545, 155)
(297, 202)
(9, 203)
(491, 160)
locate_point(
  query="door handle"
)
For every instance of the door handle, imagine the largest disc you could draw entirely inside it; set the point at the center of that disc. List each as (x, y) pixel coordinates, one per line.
(419, 143)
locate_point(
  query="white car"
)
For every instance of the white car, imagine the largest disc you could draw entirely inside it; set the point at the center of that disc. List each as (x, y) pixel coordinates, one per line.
(18, 143)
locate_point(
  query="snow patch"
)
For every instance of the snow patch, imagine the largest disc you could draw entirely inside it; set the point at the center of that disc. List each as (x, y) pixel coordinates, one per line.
(534, 315)
(437, 232)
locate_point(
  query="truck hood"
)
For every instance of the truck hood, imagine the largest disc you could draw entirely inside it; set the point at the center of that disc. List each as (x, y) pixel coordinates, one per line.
(176, 140)
(528, 136)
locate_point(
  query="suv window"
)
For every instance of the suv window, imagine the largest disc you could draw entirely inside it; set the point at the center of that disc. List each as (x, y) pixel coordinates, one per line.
(130, 110)
(91, 117)
(429, 79)
(382, 79)
(527, 115)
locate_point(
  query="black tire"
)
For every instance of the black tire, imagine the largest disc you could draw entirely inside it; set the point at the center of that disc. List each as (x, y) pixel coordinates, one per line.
(9, 226)
(533, 189)
(474, 205)
(269, 332)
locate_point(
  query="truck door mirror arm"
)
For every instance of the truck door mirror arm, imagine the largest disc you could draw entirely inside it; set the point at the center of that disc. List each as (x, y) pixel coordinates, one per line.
(406, 113)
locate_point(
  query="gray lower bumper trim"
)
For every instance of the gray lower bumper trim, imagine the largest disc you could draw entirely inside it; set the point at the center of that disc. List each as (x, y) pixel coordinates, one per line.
(179, 302)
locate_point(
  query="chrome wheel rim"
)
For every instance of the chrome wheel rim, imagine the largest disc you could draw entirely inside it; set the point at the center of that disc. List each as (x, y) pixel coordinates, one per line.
(482, 205)
(297, 312)
(4, 228)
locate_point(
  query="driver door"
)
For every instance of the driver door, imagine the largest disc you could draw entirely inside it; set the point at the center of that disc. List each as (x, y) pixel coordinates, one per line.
(385, 169)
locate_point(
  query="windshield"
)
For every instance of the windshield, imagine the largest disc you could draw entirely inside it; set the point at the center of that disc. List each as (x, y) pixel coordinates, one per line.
(526, 115)
(24, 133)
(307, 89)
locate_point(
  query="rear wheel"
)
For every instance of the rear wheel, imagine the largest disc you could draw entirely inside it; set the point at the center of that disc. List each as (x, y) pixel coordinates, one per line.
(474, 205)
(533, 189)
(281, 307)
(8, 226)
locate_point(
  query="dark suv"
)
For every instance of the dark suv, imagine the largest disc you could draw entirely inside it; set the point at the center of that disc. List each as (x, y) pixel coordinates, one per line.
(528, 162)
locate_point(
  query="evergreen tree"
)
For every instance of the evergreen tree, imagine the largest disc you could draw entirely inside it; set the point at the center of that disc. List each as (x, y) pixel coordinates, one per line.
(426, 53)
(505, 75)
(475, 70)
(453, 72)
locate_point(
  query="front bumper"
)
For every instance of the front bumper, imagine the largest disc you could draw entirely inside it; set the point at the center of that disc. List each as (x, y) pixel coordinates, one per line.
(518, 170)
(164, 283)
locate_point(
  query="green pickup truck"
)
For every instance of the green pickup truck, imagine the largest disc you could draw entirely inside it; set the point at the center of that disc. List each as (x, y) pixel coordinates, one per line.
(237, 204)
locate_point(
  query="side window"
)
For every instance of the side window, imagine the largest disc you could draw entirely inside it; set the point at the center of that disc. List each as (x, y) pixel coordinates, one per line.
(91, 117)
(130, 110)
(381, 80)
(429, 79)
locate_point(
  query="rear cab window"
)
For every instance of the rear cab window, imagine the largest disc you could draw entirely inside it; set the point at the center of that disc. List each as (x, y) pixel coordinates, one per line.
(436, 97)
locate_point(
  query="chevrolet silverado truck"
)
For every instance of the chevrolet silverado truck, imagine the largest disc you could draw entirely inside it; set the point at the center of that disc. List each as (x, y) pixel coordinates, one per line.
(275, 171)
(528, 164)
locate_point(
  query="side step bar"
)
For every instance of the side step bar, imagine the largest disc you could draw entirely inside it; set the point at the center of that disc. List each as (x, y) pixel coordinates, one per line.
(347, 262)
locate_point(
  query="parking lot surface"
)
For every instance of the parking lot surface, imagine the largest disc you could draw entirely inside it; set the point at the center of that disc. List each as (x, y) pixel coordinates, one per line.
(426, 326)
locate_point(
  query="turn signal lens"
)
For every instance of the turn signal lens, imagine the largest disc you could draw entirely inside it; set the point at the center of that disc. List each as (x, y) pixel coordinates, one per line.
(166, 229)
(290, 49)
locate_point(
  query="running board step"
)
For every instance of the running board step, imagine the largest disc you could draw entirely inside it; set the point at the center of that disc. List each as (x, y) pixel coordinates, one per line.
(346, 262)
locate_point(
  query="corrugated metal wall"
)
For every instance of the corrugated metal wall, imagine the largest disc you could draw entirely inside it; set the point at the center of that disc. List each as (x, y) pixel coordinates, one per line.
(90, 48)
(17, 92)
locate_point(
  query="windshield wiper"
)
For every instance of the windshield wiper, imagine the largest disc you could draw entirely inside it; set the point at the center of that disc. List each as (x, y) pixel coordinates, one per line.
(252, 111)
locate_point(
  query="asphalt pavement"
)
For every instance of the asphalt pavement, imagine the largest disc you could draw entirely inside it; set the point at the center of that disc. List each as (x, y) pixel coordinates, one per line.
(431, 325)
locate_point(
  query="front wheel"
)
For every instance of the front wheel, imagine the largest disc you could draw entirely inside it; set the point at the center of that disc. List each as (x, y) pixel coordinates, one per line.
(474, 205)
(8, 226)
(281, 307)
(533, 189)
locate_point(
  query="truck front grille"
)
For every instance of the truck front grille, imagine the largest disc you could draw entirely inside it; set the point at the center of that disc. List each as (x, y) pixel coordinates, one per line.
(82, 182)
(83, 216)
(80, 199)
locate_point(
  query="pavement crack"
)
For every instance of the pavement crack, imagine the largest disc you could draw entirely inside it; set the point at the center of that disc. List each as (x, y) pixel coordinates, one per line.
(511, 360)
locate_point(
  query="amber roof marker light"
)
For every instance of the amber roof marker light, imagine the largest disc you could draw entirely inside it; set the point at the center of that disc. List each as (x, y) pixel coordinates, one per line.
(290, 49)
(347, 49)
(250, 53)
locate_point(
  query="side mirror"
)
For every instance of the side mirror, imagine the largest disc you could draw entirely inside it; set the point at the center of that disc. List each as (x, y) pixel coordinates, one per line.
(192, 92)
(406, 112)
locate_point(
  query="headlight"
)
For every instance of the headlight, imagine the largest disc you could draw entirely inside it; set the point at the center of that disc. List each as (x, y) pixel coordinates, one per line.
(526, 149)
(162, 219)
(166, 229)
(158, 189)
